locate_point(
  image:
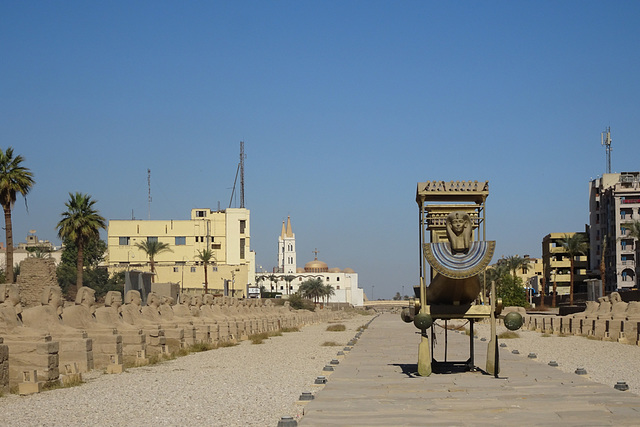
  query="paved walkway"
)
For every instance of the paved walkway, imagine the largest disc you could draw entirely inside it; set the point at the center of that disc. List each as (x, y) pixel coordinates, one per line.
(376, 385)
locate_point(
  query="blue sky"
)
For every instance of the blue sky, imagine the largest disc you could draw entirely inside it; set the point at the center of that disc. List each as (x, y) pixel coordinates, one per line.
(343, 107)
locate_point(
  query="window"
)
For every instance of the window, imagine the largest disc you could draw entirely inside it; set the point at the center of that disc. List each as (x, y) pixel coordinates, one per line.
(193, 269)
(338, 288)
(242, 248)
(243, 225)
(337, 280)
(175, 269)
(201, 214)
(123, 241)
(181, 241)
(152, 239)
(623, 244)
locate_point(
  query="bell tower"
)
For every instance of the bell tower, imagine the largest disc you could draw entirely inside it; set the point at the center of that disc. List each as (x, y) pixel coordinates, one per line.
(287, 249)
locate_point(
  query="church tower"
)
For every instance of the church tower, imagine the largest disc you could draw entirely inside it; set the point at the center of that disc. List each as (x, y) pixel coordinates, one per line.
(287, 249)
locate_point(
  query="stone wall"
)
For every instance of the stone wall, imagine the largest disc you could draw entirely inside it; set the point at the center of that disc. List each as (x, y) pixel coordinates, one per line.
(35, 274)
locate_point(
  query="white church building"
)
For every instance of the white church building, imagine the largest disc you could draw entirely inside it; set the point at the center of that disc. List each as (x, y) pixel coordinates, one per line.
(287, 277)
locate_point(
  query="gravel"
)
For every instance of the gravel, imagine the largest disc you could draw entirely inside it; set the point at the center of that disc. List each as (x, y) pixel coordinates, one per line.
(606, 362)
(245, 385)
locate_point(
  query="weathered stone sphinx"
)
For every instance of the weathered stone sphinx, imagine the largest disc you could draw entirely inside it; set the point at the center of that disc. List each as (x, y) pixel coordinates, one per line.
(132, 315)
(134, 340)
(75, 347)
(28, 350)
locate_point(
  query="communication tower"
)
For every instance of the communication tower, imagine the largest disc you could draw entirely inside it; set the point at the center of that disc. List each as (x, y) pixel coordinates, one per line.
(605, 140)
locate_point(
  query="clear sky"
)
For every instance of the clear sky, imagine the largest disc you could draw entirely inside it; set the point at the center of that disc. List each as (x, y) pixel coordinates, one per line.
(343, 106)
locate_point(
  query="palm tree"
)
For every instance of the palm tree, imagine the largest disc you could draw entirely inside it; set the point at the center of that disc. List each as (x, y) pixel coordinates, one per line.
(312, 289)
(80, 223)
(603, 265)
(574, 245)
(14, 178)
(289, 278)
(273, 279)
(515, 262)
(328, 292)
(153, 248)
(205, 256)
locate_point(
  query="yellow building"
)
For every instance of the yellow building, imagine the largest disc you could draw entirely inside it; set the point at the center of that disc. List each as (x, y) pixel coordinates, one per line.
(226, 233)
(557, 265)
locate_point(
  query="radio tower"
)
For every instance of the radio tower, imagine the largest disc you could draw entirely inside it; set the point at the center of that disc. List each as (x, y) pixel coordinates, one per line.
(149, 185)
(242, 157)
(605, 139)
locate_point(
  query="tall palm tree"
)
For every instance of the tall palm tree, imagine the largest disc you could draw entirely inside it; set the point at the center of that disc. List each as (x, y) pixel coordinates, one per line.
(328, 292)
(205, 256)
(289, 278)
(312, 289)
(273, 279)
(574, 245)
(80, 223)
(14, 178)
(153, 248)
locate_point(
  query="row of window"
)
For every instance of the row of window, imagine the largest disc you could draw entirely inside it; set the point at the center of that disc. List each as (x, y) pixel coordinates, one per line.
(179, 241)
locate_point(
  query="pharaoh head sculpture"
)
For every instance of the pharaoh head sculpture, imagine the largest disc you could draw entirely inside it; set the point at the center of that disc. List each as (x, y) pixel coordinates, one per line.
(153, 300)
(133, 297)
(10, 296)
(459, 231)
(52, 296)
(113, 299)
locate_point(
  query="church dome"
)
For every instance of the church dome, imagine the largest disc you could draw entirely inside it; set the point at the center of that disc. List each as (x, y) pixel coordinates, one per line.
(335, 270)
(348, 270)
(316, 266)
(299, 270)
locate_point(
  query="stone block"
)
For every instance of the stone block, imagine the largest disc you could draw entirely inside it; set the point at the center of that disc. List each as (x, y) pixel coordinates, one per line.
(30, 383)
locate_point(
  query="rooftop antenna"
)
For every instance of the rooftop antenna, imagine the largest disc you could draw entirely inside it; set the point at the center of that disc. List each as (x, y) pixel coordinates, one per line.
(149, 185)
(605, 139)
(239, 170)
(242, 157)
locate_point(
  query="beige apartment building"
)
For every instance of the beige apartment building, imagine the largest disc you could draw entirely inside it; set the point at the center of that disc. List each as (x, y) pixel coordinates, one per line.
(557, 265)
(226, 233)
(614, 203)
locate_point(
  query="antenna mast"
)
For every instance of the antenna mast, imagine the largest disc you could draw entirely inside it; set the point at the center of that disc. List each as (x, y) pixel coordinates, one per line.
(149, 185)
(242, 157)
(239, 170)
(605, 140)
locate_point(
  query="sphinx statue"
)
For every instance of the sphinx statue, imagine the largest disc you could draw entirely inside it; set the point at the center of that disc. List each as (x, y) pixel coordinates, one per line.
(81, 315)
(10, 308)
(48, 315)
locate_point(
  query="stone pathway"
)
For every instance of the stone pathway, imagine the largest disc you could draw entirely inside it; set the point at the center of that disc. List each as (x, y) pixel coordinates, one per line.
(376, 385)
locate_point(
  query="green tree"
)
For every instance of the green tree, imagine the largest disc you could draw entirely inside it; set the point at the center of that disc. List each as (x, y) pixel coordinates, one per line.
(512, 291)
(94, 276)
(152, 248)
(397, 296)
(80, 223)
(14, 179)
(574, 245)
(313, 289)
(206, 256)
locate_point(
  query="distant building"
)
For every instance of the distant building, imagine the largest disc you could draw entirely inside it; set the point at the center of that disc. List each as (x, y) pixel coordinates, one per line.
(32, 247)
(287, 278)
(226, 233)
(614, 202)
(557, 265)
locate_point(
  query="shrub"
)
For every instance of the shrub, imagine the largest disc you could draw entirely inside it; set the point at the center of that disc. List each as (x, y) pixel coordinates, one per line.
(509, 335)
(298, 303)
(336, 328)
(330, 344)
